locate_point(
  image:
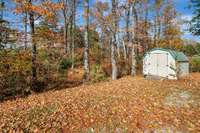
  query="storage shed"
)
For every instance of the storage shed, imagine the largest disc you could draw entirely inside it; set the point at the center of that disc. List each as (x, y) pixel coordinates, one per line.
(165, 63)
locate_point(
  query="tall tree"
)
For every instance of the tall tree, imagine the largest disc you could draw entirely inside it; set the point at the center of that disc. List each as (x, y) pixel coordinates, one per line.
(2, 6)
(86, 44)
(195, 22)
(157, 21)
(114, 40)
(135, 40)
(146, 25)
(171, 28)
(72, 32)
(100, 20)
(25, 29)
(66, 15)
(128, 22)
(46, 10)
(34, 50)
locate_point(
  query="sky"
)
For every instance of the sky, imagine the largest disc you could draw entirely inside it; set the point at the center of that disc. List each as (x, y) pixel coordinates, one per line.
(182, 6)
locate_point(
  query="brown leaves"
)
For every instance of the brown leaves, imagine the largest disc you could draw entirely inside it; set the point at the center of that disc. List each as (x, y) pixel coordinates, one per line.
(126, 105)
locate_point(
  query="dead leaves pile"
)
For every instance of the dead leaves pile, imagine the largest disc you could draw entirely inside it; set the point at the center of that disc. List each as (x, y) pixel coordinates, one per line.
(126, 105)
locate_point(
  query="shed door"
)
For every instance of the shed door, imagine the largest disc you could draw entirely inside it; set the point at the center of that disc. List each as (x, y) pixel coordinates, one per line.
(158, 64)
(152, 64)
(162, 64)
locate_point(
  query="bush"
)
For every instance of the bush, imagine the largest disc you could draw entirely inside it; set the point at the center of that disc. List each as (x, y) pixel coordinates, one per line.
(65, 63)
(97, 73)
(195, 63)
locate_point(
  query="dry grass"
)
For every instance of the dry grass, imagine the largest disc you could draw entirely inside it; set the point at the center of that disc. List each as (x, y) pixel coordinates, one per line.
(126, 105)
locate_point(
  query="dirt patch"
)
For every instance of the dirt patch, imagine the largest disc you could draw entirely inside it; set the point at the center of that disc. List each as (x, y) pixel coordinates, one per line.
(167, 129)
(180, 98)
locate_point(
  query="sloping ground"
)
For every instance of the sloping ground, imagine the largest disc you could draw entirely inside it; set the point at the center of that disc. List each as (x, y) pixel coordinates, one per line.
(126, 105)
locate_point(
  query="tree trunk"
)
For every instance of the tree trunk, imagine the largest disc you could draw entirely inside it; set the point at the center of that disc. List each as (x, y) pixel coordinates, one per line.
(67, 49)
(124, 49)
(146, 45)
(113, 42)
(86, 47)
(135, 40)
(73, 32)
(133, 61)
(155, 32)
(128, 12)
(159, 27)
(113, 61)
(34, 49)
(65, 30)
(25, 30)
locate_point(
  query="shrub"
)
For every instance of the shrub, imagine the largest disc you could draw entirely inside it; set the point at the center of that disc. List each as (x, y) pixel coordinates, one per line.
(97, 73)
(65, 64)
(195, 63)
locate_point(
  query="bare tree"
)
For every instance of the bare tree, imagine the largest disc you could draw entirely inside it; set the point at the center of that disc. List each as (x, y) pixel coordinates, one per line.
(157, 22)
(65, 12)
(135, 40)
(114, 41)
(73, 30)
(25, 29)
(86, 44)
(128, 21)
(34, 49)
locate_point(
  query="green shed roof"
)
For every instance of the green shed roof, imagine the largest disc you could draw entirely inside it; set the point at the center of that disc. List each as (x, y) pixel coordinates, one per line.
(178, 56)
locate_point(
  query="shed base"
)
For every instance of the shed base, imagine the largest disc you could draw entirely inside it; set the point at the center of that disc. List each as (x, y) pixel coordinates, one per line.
(154, 77)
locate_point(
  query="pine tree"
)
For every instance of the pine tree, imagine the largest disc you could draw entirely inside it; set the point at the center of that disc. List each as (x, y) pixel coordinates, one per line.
(195, 22)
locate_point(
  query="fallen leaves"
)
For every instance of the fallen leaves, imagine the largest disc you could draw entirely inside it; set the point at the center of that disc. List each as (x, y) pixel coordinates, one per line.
(126, 105)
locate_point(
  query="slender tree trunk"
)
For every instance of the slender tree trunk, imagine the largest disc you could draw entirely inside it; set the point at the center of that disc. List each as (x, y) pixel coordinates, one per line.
(133, 61)
(73, 32)
(118, 51)
(113, 42)
(67, 49)
(102, 43)
(135, 40)
(34, 49)
(146, 45)
(25, 30)
(86, 47)
(128, 13)
(113, 61)
(64, 11)
(159, 26)
(155, 32)
(124, 49)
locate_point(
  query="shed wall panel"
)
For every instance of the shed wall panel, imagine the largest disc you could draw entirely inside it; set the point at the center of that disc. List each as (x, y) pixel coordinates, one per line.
(183, 68)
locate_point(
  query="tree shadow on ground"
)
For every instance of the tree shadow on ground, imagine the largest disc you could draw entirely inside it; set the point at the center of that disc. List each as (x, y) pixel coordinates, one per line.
(42, 88)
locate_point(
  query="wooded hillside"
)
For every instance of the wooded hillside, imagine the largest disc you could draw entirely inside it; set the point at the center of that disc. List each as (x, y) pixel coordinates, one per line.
(66, 42)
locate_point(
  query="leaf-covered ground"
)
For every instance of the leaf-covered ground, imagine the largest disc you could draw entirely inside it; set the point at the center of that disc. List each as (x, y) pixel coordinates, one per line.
(126, 105)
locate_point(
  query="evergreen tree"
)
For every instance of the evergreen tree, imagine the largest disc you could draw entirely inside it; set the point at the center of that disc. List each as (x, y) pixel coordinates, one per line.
(195, 22)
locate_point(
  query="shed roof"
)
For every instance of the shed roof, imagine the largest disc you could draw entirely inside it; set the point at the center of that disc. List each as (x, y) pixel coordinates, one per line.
(178, 56)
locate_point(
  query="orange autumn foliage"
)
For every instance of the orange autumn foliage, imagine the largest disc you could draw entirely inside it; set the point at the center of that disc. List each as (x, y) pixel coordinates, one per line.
(41, 8)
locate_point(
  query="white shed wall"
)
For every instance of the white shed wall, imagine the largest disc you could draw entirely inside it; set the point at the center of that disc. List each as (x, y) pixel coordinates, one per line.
(183, 69)
(169, 71)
